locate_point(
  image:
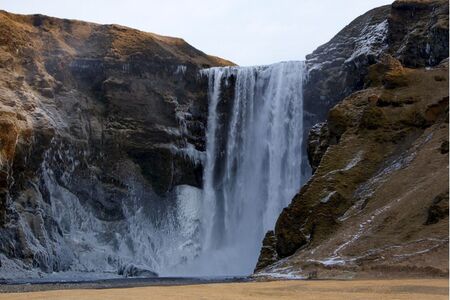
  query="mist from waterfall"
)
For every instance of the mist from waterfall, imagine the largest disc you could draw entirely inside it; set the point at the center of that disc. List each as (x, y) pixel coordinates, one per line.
(253, 162)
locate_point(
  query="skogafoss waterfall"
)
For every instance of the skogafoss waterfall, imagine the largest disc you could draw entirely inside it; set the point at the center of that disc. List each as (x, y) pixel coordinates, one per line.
(253, 161)
(252, 170)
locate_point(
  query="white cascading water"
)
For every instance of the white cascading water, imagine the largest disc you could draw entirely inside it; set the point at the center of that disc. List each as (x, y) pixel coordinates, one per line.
(252, 170)
(253, 162)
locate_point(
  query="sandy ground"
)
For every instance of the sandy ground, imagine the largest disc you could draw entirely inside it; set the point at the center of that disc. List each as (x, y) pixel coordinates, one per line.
(327, 289)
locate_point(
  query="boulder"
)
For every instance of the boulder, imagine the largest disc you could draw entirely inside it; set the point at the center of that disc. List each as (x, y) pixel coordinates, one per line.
(132, 270)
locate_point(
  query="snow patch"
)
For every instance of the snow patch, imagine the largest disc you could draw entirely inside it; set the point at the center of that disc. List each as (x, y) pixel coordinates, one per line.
(354, 161)
(350, 165)
(371, 36)
(281, 273)
(331, 261)
(287, 276)
(327, 197)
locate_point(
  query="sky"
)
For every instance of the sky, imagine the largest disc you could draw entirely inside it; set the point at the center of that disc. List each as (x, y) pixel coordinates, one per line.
(247, 32)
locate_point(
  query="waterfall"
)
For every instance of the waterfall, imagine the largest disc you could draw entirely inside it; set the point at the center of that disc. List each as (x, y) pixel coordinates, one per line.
(251, 172)
(253, 161)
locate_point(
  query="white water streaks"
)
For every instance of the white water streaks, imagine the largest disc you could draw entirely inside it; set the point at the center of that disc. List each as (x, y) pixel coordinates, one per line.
(253, 161)
(252, 170)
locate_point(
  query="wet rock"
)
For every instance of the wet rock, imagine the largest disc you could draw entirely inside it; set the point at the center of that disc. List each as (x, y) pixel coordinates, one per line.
(136, 271)
(318, 142)
(268, 254)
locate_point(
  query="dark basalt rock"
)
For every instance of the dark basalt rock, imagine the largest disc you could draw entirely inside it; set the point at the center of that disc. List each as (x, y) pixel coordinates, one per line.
(444, 147)
(338, 68)
(268, 254)
(418, 32)
(136, 271)
(318, 142)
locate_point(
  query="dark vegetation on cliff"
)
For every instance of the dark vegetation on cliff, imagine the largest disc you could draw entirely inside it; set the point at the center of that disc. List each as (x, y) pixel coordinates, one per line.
(377, 203)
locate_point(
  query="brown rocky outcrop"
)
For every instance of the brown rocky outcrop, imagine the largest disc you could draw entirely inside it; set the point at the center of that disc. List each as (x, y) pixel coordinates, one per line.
(268, 255)
(377, 204)
(101, 113)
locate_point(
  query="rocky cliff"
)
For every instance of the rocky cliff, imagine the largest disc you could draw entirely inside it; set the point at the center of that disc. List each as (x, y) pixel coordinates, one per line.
(97, 120)
(413, 31)
(103, 143)
(377, 203)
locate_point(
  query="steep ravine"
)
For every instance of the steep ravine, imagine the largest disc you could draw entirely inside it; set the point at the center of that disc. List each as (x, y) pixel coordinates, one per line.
(377, 203)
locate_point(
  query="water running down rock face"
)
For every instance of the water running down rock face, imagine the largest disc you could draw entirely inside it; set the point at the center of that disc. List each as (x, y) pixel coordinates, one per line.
(252, 171)
(126, 153)
(103, 163)
(253, 161)
(102, 149)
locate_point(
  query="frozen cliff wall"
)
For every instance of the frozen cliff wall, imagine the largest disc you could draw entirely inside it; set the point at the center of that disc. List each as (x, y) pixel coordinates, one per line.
(102, 132)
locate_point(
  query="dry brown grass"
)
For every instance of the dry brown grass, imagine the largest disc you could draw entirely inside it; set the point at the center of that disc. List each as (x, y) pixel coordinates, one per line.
(347, 290)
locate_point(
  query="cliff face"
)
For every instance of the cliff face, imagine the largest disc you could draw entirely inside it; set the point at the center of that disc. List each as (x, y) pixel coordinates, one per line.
(98, 114)
(103, 139)
(414, 32)
(377, 203)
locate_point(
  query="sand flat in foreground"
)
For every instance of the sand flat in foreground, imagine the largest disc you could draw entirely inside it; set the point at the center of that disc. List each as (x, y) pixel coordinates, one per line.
(325, 289)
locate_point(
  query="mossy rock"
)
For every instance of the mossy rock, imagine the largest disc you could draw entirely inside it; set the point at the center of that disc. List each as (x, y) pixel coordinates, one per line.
(395, 79)
(372, 118)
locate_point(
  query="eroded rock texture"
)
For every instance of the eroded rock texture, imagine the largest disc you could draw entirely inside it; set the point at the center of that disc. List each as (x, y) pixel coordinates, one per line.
(99, 116)
(414, 32)
(377, 203)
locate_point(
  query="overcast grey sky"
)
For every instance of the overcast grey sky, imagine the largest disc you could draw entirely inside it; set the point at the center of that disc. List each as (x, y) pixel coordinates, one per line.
(248, 32)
